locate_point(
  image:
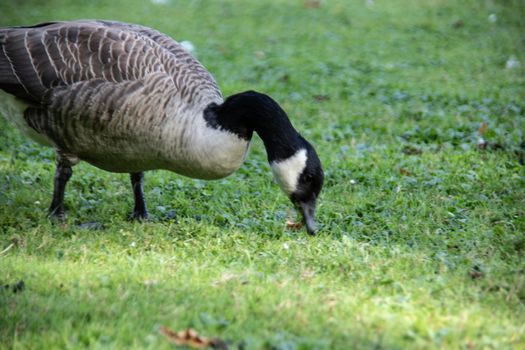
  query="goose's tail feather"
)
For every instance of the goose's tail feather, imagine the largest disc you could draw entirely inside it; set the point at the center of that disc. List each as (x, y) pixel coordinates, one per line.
(11, 107)
(8, 80)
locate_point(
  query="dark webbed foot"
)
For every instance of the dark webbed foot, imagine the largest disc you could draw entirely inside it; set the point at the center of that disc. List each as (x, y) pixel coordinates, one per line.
(140, 212)
(57, 216)
(138, 216)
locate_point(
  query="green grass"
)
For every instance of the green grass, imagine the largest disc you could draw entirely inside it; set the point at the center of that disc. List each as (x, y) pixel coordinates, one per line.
(422, 236)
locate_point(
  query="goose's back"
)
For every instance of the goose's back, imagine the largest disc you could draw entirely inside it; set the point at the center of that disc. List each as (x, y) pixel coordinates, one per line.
(108, 92)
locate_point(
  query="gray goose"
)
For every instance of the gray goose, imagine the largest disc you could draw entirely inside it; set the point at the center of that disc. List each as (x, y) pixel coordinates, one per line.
(127, 98)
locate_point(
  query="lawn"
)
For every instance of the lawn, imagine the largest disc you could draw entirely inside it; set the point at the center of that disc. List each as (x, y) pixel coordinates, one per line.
(417, 111)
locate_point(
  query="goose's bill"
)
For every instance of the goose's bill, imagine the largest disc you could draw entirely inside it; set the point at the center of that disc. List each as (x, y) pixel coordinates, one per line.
(308, 211)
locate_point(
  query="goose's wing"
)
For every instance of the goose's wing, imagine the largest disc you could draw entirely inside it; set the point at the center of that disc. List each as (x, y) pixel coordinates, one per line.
(37, 61)
(189, 75)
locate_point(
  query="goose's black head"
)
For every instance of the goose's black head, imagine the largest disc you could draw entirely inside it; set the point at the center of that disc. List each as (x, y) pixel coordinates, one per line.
(294, 162)
(301, 177)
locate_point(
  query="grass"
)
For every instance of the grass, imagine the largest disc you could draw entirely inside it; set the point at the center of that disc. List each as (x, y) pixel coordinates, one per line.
(422, 234)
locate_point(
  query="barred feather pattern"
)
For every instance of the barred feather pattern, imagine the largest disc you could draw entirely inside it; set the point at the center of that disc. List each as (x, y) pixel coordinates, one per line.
(123, 97)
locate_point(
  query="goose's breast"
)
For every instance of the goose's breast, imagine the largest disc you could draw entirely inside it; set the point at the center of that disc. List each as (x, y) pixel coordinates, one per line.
(204, 152)
(221, 152)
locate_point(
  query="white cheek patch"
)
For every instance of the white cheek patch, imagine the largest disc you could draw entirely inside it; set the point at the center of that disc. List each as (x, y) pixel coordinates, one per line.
(287, 171)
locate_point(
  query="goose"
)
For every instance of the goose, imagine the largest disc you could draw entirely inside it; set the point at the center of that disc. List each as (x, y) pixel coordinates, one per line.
(128, 99)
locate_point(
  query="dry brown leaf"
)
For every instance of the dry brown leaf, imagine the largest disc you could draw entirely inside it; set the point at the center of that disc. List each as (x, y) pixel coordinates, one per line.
(476, 274)
(411, 150)
(191, 338)
(483, 128)
(405, 171)
(313, 4)
(321, 98)
(293, 225)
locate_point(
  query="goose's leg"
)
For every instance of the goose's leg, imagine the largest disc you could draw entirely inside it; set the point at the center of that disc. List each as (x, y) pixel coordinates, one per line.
(139, 211)
(63, 173)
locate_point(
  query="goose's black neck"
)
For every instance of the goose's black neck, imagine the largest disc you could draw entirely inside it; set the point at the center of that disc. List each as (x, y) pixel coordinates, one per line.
(250, 111)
